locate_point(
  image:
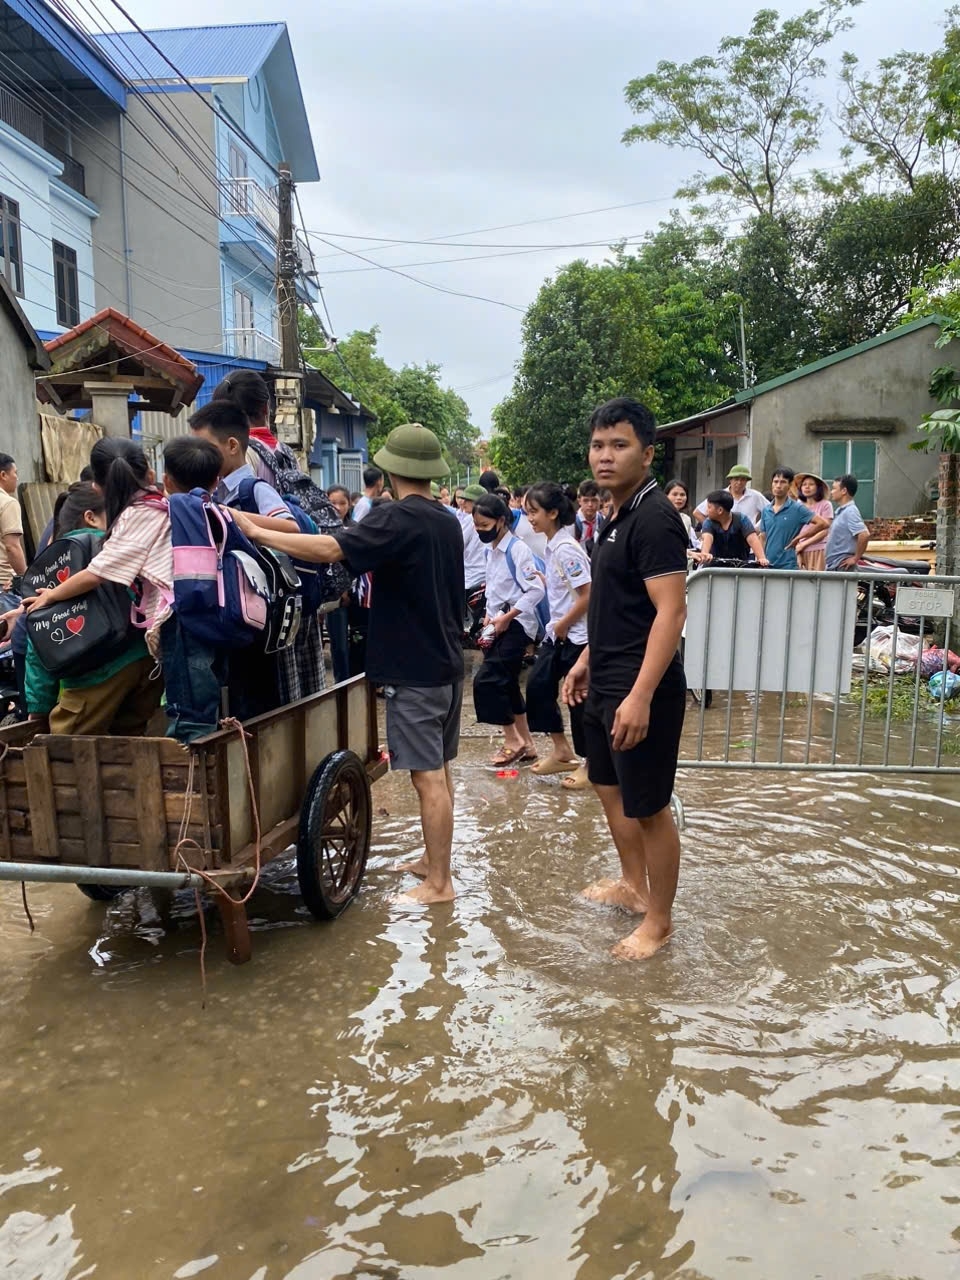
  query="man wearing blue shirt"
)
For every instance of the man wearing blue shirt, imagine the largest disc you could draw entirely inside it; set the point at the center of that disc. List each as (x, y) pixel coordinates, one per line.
(783, 521)
(848, 536)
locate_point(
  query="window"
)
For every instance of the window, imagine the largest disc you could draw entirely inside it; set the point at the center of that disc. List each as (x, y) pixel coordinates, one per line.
(856, 458)
(67, 285)
(10, 250)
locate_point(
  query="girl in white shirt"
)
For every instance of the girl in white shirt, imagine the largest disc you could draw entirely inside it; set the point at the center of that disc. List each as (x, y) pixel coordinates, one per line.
(514, 589)
(551, 513)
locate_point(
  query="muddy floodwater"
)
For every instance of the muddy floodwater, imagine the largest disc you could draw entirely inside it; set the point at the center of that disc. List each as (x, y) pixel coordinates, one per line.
(480, 1091)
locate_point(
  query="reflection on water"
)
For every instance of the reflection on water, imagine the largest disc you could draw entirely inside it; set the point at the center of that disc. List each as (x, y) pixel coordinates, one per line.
(482, 1091)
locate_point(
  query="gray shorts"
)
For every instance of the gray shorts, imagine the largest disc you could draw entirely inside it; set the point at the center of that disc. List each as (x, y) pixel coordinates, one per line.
(423, 725)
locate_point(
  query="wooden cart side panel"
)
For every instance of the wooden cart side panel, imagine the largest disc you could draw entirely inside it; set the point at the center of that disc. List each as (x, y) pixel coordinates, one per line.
(358, 720)
(43, 814)
(100, 812)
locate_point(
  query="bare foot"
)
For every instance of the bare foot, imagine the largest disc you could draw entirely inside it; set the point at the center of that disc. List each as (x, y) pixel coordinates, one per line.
(616, 893)
(416, 868)
(643, 942)
(424, 895)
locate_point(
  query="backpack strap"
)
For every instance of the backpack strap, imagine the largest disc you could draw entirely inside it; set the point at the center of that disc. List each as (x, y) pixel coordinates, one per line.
(245, 499)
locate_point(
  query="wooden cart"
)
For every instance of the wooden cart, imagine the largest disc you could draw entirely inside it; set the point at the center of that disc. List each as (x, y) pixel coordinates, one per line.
(105, 813)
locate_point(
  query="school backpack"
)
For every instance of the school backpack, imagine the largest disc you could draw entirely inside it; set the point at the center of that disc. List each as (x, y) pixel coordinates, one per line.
(543, 608)
(311, 580)
(75, 637)
(290, 482)
(227, 591)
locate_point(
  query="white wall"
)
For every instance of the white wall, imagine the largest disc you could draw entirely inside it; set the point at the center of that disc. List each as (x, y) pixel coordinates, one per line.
(48, 211)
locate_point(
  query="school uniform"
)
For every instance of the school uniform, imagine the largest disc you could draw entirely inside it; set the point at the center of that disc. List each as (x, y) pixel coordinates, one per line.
(568, 567)
(512, 582)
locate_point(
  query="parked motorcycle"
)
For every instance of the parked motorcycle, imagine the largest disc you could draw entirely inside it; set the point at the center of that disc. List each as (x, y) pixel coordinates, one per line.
(879, 609)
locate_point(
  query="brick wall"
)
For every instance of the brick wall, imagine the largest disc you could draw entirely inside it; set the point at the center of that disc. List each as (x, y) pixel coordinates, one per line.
(904, 530)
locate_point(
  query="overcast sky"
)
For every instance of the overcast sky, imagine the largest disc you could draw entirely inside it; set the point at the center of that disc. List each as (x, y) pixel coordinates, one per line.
(435, 118)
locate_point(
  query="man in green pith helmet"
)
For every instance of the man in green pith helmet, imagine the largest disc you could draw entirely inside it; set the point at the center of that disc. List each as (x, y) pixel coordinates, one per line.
(415, 552)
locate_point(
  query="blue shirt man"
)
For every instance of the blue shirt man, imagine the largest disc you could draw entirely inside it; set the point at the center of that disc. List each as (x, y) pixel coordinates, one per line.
(848, 536)
(781, 522)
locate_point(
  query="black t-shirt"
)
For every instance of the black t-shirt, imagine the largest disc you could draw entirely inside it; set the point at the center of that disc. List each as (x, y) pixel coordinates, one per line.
(645, 540)
(730, 544)
(415, 550)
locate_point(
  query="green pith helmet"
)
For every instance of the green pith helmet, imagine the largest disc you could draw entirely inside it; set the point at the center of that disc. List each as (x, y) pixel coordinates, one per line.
(412, 452)
(739, 473)
(474, 492)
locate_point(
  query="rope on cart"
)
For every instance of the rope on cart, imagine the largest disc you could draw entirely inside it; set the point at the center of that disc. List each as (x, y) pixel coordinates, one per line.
(184, 842)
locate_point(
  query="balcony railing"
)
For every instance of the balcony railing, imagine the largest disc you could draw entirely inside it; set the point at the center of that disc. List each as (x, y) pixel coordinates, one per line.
(20, 116)
(245, 198)
(252, 344)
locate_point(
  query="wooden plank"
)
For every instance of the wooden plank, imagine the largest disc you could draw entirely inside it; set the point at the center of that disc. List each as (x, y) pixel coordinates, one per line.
(5, 847)
(272, 845)
(116, 804)
(279, 766)
(119, 777)
(373, 726)
(121, 750)
(151, 819)
(18, 735)
(43, 816)
(90, 796)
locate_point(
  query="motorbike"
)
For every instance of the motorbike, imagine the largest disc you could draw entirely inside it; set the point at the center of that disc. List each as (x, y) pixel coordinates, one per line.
(879, 608)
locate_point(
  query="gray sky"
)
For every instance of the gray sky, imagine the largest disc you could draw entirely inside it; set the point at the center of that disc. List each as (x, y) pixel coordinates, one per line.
(433, 118)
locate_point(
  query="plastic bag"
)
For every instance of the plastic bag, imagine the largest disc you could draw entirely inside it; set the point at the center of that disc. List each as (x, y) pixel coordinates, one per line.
(935, 685)
(880, 652)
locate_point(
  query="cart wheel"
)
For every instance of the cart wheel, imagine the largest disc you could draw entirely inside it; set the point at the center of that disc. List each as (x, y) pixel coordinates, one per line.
(334, 837)
(101, 892)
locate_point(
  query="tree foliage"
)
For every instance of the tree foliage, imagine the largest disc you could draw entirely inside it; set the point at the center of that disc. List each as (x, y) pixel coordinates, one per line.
(411, 394)
(586, 338)
(750, 109)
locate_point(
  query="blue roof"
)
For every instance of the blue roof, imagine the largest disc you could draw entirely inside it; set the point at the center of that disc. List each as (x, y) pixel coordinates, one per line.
(72, 45)
(201, 53)
(204, 55)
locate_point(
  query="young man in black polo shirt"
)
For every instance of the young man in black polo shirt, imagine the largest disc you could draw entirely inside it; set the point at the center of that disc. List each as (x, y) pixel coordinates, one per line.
(630, 674)
(415, 551)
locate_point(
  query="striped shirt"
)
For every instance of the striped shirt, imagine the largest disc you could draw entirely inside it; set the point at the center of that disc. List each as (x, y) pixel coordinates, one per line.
(139, 546)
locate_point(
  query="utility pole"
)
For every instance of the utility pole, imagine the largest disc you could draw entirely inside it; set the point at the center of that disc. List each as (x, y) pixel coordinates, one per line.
(287, 262)
(288, 386)
(743, 347)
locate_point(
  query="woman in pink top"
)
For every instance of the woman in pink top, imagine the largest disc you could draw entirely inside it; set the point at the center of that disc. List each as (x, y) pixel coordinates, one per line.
(812, 551)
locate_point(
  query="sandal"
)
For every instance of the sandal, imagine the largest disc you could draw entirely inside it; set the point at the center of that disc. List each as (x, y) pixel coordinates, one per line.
(506, 757)
(527, 755)
(578, 781)
(552, 765)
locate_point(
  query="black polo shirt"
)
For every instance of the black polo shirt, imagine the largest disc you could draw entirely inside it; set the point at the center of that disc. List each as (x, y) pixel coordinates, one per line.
(415, 551)
(646, 539)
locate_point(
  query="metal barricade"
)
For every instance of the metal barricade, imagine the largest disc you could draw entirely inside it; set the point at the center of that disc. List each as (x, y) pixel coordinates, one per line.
(819, 671)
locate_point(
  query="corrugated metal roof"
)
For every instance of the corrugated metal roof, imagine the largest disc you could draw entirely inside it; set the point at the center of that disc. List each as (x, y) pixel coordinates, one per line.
(199, 53)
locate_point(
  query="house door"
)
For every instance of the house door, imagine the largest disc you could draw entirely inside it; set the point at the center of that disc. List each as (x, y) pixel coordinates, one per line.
(726, 458)
(688, 474)
(239, 195)
(243, 324)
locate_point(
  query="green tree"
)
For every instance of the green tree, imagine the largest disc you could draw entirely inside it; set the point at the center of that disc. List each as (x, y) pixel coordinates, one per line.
(750, 109)
(413, 394)
(885, 118)
(586, 338)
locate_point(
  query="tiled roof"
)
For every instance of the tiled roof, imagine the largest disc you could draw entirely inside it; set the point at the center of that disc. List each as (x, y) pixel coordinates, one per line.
(134, 342)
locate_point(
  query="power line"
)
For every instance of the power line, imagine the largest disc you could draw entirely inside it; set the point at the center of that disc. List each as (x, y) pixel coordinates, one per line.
(456, 293)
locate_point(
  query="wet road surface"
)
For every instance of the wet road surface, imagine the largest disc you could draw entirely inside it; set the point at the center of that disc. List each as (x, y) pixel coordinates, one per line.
(480, 1091)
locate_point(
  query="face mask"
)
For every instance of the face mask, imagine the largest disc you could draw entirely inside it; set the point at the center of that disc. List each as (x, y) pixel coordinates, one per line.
(487, 535)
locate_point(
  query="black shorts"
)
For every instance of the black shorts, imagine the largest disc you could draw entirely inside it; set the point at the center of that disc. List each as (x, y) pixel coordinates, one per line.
(646, 773)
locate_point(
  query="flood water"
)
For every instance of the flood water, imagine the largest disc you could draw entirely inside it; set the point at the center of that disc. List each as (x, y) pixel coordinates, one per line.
(481, 1091)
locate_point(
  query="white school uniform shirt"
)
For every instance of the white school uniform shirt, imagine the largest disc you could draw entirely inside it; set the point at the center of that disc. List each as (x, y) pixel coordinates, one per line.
(537, 542)
(474, 552)
(504, 593)
(568, 567)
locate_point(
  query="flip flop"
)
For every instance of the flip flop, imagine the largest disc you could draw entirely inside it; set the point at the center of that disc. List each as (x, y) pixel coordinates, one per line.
(578, 781)
(505, 757)
(527, 757)
(551, 765)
